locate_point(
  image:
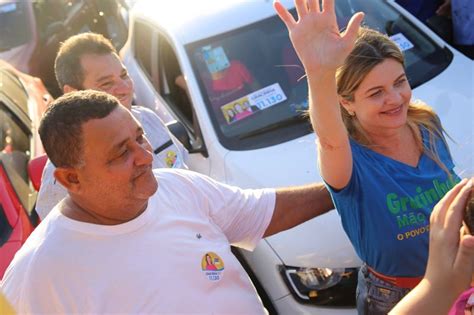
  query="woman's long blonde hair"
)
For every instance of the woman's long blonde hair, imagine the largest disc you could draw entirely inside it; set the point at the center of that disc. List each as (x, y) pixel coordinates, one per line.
(372, 48)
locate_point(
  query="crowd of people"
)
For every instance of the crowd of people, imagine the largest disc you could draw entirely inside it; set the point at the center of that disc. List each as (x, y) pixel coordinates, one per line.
(124, 230)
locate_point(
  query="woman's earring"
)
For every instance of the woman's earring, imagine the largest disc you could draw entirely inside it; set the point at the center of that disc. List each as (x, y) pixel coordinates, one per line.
(351, 113)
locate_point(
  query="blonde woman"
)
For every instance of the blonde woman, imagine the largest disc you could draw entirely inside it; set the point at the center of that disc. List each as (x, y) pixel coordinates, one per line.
(383, 156)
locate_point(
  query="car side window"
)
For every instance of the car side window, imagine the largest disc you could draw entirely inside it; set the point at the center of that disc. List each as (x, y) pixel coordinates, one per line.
(15, 153)
(14, 25)
(172, 85)
(15, 136)
(158, 61)
(142, 35)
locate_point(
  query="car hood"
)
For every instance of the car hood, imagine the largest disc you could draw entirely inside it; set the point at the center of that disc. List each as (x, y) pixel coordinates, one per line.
(322, 241)
(451, 96)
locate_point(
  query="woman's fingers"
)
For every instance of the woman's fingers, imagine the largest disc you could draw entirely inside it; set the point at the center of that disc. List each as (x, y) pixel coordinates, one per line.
(454, 214)
(284, 15)
(328, 6)
(350, 34)
(439, 211)
(301, 8)
(313, 6)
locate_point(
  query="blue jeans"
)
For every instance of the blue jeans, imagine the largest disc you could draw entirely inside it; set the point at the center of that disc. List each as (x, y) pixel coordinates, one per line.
(375, 296)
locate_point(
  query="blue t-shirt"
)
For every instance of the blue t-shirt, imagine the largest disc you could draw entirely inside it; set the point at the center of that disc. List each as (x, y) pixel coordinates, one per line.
(385, 208)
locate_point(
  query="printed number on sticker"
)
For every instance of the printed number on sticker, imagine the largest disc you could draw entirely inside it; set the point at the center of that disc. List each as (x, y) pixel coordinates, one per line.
(402, 41)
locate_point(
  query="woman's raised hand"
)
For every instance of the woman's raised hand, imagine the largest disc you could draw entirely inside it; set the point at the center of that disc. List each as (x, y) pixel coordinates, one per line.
(316, 36)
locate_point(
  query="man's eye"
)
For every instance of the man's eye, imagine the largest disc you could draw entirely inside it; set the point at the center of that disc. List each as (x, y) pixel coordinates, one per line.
(106, 85)
(123, 154)
(141, 138)
(124, 75)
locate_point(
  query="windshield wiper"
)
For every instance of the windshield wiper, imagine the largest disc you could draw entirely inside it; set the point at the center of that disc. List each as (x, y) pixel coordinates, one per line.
(290, 121)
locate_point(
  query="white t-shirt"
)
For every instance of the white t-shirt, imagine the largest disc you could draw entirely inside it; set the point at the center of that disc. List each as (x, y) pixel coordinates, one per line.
(168, 151)
(154, 264)
(170, 154)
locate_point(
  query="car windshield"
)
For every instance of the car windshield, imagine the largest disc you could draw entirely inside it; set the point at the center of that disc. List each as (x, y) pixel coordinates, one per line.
(253, 82)
(13, 25)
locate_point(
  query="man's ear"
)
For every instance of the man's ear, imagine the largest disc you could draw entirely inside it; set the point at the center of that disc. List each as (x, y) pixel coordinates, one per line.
(68, 88)
(68, 177)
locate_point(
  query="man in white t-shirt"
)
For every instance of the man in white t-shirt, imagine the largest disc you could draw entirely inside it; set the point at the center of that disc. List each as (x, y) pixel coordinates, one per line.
(129, 240)
(90, 61)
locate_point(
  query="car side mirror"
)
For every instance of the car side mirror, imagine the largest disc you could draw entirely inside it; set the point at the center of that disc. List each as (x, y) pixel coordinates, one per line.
(178, 130)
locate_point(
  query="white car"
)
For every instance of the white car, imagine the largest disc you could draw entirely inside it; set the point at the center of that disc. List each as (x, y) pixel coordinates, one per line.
(227, 72)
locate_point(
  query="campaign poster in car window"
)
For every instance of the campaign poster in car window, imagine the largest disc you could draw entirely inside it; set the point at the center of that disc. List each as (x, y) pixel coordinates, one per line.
(238, 110)
(253, 102)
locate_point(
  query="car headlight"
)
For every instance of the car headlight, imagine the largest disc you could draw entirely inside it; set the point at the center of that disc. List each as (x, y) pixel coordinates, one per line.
(322, 286)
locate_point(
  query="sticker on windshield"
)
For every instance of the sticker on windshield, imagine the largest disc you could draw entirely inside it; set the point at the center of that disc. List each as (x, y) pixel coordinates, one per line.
(215, 58)
(253, 102)
(268, 96)
(238, 110)
(402, 42)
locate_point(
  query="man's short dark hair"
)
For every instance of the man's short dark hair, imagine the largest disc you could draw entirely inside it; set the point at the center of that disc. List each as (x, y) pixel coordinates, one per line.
(61, 126)
(67, 65)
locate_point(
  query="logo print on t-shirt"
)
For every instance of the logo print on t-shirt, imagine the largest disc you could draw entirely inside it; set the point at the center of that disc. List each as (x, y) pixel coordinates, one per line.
(212, 266)
(170, 158)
